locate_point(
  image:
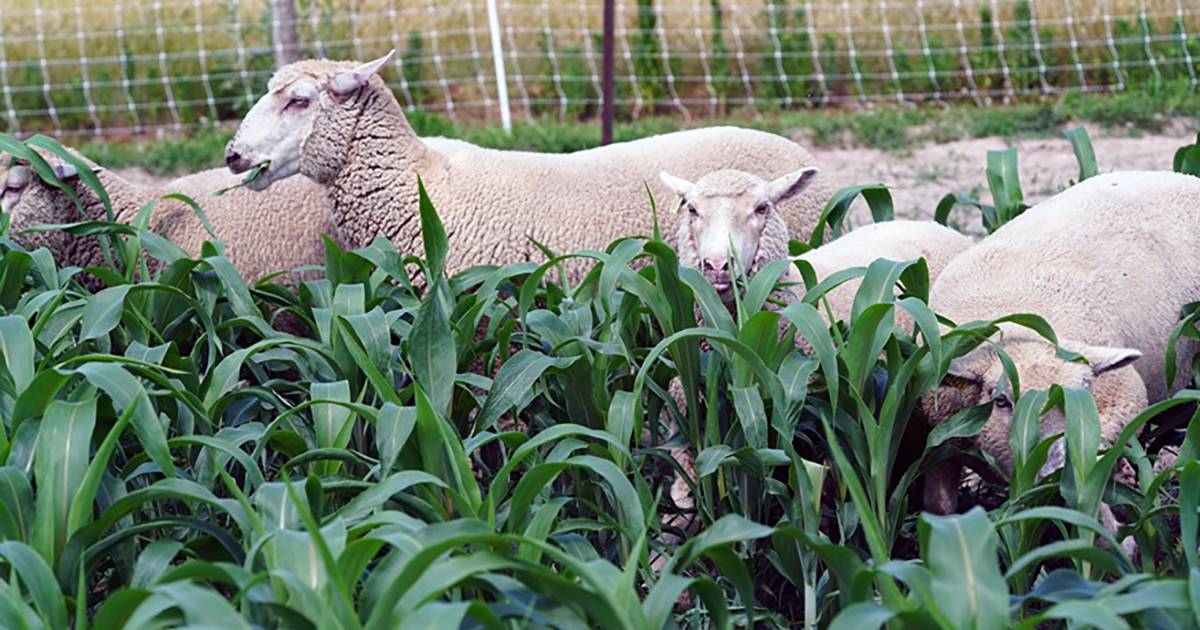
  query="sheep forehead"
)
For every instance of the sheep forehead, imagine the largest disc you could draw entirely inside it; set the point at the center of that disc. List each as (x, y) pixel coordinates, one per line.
(311, 69)
(730, 184)
(19, 175)
(1038, 366)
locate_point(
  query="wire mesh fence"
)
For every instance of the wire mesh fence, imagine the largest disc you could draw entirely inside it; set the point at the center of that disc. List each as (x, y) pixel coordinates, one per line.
(127, 66)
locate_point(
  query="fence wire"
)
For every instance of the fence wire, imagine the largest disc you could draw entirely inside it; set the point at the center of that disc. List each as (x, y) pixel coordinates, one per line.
(133, 66)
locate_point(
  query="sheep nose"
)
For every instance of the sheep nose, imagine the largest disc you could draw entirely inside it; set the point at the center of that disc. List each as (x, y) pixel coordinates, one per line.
(714, 266)
(234, 160)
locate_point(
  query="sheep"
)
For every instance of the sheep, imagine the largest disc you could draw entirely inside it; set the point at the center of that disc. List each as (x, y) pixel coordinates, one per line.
(339, 125)
(732, 207)
(14, 183)
(263, 233)
(735, 208)
(1108, 263)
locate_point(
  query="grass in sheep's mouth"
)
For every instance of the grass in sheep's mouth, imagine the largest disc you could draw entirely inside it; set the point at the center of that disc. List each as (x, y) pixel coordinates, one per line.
(254, 174)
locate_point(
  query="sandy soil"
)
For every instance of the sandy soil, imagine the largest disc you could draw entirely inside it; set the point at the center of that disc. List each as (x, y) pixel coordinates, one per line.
(920, 177)
(138, 175)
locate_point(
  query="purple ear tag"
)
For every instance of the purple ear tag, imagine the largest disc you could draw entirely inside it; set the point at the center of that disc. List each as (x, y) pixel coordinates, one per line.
(361, 81)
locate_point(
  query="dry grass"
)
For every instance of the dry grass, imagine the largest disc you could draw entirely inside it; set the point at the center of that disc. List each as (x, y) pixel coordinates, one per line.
(127, 57)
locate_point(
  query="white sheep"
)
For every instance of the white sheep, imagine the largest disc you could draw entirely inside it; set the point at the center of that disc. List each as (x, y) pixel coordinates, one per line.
(13, 186)
(1108, 263)
(732, 208)
(339, 125)
(263, 234)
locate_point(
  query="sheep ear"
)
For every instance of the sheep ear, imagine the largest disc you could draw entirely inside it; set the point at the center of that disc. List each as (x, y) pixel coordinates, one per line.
(791, 184)
(681, 187)
(961, 379)
(1056, 458)
(65, 171)
(678, 185)
(959, 390)
(1106, 359)
(346, 83)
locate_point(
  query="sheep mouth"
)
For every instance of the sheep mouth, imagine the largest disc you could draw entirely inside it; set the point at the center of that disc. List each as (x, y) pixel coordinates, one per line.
(722, 286)
(256, 179)
(259, 178)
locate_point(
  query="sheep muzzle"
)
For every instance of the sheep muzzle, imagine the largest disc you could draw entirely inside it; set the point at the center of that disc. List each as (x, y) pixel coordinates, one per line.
(236, 162)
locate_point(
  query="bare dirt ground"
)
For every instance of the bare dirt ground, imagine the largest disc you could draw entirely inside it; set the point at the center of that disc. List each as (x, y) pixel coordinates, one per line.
(138, 175)
(921, 176)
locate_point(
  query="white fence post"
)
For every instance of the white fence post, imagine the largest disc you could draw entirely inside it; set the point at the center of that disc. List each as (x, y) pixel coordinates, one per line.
(498, 58)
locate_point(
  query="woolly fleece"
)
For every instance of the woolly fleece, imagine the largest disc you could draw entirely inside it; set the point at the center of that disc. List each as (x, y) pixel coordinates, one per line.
(263, 233)
(362, 149)
(1108, 263)
(893, 240)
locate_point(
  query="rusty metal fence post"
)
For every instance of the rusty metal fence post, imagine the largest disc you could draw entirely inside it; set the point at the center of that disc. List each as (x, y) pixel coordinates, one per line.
(606, 112)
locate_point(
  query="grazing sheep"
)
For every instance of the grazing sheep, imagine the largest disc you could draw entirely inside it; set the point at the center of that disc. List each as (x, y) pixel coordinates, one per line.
(732, 207)
(263, 234)
(14, 183)
(340, 126)
(1108, 263)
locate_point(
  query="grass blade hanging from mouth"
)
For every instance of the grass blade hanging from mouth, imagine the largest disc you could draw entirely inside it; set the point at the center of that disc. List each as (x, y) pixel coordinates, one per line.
(250, 178)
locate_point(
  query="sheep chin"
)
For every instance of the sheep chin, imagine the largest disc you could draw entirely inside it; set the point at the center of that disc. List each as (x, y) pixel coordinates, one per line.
(275, 171)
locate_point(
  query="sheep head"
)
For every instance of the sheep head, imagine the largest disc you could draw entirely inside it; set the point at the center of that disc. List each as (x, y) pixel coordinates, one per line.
(15, 183)
(732, 209)
(978, 378)
(299, 102)
(32, 202)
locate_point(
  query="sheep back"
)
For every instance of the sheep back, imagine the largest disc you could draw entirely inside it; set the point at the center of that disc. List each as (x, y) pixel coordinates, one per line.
(1110, 261)
(491, 200)
(263, 232)
(893, 240)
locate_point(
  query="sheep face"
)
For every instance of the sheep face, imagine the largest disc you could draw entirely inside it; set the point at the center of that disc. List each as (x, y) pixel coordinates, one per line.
(15, 183)
(732, 209)
(279, 125)
(978, 378)
(33, 202)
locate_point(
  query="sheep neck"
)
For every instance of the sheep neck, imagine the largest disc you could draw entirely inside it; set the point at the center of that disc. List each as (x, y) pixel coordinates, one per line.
(127, 199)
(375, 193)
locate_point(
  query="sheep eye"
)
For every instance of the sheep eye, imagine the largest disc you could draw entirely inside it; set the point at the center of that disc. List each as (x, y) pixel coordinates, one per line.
(761, 209)
(299, 102)
(1003, 402)
(691, 208)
